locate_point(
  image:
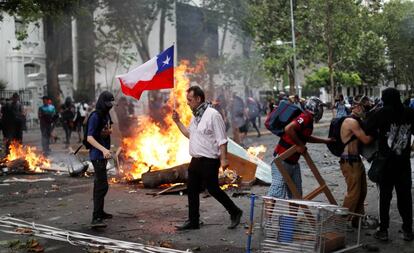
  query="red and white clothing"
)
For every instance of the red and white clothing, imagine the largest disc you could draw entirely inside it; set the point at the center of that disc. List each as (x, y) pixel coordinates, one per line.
(304, 128)
(208, 135)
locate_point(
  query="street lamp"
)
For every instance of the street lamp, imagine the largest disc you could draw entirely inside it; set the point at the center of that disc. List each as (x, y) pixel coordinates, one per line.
(297, 86)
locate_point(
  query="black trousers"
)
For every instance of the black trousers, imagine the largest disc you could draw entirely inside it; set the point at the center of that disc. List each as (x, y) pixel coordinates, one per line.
(398, 176)
(100, 187)
(203, 173)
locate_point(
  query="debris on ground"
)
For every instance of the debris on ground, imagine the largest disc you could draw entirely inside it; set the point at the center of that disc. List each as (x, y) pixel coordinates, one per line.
(25, 180)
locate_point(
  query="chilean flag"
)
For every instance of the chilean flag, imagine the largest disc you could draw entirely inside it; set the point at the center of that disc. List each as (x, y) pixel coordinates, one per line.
(155, 74)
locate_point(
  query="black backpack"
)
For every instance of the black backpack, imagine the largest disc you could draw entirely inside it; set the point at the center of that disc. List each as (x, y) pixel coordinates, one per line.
(85, 133)
(337, 147)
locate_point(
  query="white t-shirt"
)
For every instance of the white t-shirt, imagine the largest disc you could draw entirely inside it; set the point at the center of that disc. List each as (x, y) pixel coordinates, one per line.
(208, 135)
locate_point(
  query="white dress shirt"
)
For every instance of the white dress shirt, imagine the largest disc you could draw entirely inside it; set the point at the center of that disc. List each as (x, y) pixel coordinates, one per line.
(208, 135)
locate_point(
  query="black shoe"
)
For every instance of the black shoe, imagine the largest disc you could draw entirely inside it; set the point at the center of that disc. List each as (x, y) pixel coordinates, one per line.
(408, 236)
(188, 225)
(381, 235)
(235, 219)
(98, 223)
(106, 216)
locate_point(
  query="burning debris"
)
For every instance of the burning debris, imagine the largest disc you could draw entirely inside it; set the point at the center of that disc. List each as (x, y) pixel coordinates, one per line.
(23, 159)
(158, 153)
(159, 146)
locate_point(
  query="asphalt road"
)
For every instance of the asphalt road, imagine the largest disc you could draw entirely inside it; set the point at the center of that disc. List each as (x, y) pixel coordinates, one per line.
(66, 203)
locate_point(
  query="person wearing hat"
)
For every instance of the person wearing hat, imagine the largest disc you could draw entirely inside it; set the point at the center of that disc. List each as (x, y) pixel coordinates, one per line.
(298, 133)
(99, 137)
(350, 162)
(46, 115)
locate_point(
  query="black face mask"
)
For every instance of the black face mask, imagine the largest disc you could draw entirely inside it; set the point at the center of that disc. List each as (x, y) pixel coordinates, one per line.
(105, 102)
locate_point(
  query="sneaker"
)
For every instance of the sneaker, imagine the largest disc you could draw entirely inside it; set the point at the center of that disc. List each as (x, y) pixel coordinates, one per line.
(408, 236)
(381, 235)
(106, 216)
(98, 223)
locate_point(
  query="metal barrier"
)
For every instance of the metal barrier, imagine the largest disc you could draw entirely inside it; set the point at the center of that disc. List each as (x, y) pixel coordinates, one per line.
(303, 226)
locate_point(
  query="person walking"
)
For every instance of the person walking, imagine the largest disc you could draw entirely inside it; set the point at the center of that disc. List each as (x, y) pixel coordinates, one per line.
(253, 111)
(340, 107)
(298, 133)
(99, 138)
(13, 121)
(393, 126)
(350, 163)
(208, 149)
(46, 115)
(80, 115)
(67, 117)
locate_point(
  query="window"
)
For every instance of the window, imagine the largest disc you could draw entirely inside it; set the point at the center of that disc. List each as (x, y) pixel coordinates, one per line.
(31, 68)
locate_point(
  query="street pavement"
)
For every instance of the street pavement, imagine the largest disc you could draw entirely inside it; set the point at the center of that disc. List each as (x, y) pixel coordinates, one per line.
(66, 203)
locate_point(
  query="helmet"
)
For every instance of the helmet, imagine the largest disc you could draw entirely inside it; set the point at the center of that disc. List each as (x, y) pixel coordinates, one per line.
(312, 104)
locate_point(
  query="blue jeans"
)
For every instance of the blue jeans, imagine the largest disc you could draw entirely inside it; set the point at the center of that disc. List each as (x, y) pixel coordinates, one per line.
(278, 187)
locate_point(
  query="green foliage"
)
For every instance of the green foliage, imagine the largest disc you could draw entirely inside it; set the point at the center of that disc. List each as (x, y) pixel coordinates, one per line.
(397, 27)
(32, 10)
(370, 61)
(269, 21)
(320, 79)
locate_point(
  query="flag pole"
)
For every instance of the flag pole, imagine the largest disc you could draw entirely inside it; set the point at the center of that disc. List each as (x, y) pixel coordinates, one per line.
(174, 104)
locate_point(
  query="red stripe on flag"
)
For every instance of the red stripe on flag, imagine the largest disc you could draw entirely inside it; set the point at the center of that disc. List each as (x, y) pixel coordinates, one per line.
(163, 80)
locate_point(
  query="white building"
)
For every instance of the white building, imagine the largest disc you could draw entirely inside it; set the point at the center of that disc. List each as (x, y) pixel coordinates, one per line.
(20, 58)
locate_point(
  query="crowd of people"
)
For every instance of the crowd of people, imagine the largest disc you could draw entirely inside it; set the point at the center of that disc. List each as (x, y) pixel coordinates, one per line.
(387, 121)
(390, 123)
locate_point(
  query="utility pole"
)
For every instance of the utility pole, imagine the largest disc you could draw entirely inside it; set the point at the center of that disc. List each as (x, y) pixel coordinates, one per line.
(298, 88)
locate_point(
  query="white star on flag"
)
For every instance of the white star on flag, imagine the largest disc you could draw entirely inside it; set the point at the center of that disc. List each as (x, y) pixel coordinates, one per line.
(167, 60)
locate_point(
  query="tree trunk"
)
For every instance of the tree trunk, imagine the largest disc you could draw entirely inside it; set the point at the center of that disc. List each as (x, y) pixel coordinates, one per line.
(162, 27)
(291, 75)
(330, 48)
(52, 62)
(86, 50)
(223, 39)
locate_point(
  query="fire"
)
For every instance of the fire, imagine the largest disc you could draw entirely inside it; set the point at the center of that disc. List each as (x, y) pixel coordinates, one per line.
(36, 162)
(255, 151)
(156, 147)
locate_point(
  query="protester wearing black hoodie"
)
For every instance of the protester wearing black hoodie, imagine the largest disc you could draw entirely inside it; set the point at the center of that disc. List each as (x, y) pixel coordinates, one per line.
(99, 130)
(393, 126)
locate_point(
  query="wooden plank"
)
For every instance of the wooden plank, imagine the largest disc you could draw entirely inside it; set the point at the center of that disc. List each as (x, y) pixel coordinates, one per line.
(322, 184)
(314, 193)
(288, 180)
(319, 178)
(244, 168)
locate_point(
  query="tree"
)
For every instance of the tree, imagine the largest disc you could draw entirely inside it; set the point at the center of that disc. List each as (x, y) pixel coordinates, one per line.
(321, 77)
(269, 22)
(335, 25)
(370, 61)
(396, 25)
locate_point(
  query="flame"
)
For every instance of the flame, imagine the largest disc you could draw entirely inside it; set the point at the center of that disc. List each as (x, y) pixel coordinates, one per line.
(228, 186)
(156, 147)
(36, 162)
(255, 151)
